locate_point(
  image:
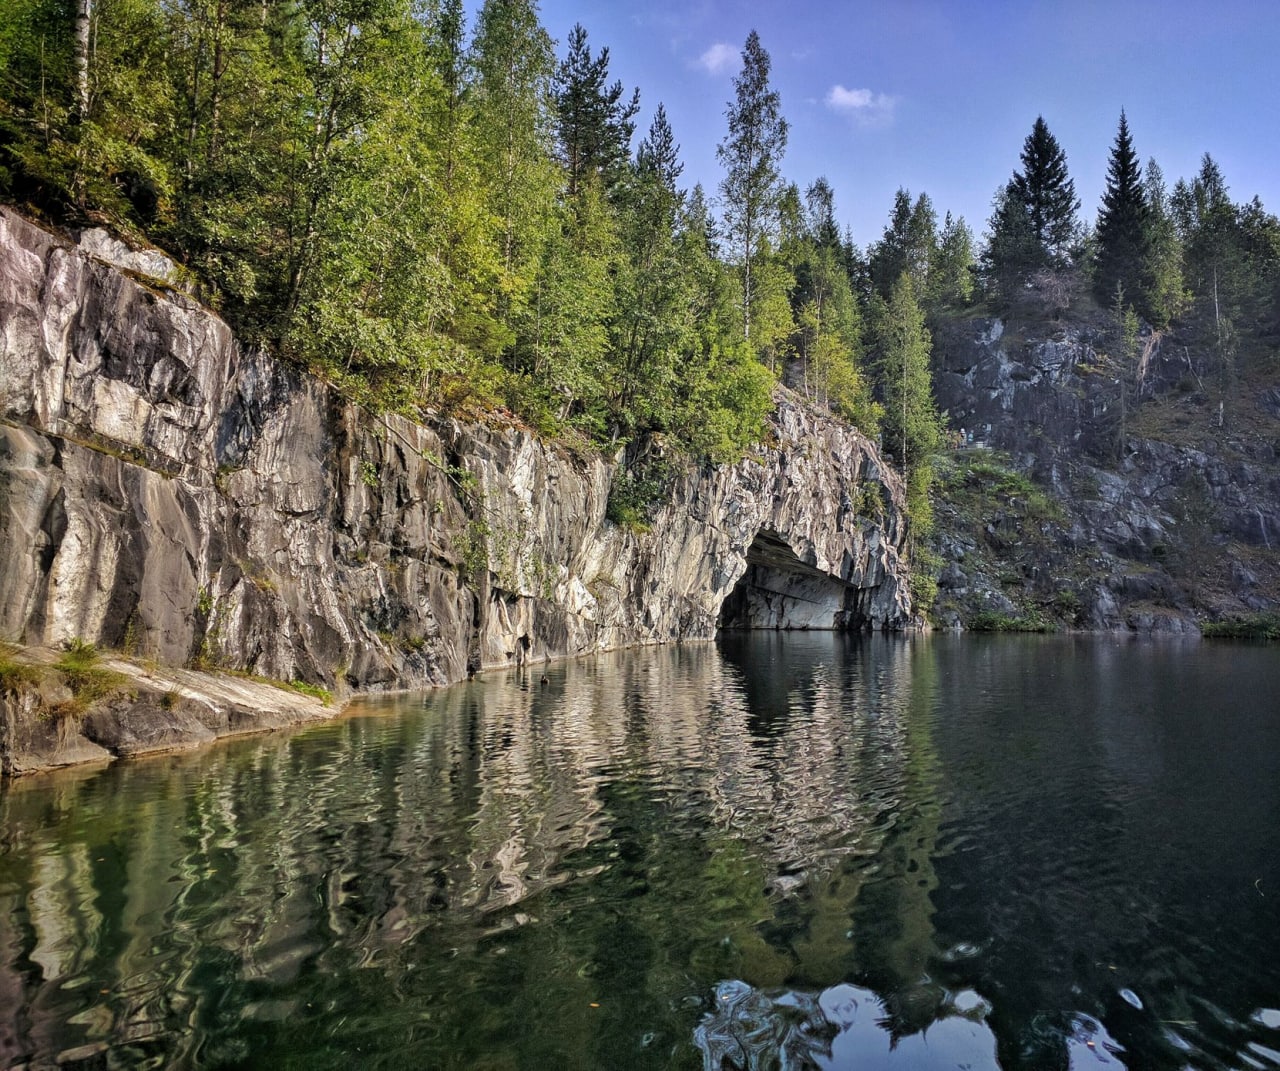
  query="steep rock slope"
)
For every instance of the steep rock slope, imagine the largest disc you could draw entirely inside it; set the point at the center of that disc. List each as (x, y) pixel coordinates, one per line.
(1146, 507)
(167, 492)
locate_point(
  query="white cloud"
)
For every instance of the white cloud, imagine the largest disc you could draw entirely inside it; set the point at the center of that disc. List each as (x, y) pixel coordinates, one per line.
(718, 58)
(866, 107)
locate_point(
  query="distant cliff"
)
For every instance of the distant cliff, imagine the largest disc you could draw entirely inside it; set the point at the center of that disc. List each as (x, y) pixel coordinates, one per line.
(168, 493)
(1104, 499)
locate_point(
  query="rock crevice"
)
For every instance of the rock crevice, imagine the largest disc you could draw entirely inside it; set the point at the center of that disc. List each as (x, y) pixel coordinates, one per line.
(171, 493)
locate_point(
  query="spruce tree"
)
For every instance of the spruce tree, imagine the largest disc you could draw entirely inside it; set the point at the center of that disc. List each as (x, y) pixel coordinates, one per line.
(1167, 295)
(1011, 253)
(751, 154)
(1123, 234)
(1047, 193)
(951, 267)
(908, 244)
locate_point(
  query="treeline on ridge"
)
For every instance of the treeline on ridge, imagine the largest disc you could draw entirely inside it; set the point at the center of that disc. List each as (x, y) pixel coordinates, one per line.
(431, 214)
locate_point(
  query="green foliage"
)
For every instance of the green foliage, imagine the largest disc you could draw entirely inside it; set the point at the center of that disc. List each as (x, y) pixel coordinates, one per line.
(1046, 193)
(1231, 262)
(989, 484)
(994, 621)
(593, 122)
(1033, 223)
(88, 681)
(472, 548)
(912, 426)
(315, 691)
(636, 494)
(909, 245)
(952, 267)
(17, 677)
(1257, 626)
(1123, 232)
(751, 154)
(1167, 296)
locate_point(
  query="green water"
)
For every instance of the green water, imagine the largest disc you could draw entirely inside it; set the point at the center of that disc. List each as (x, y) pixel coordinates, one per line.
(805, 851)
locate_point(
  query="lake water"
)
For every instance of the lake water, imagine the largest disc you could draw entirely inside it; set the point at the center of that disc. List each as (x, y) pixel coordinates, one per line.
(791, 851)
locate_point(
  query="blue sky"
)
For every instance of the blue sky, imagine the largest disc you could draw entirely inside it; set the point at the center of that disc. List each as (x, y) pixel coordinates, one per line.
(938, 96)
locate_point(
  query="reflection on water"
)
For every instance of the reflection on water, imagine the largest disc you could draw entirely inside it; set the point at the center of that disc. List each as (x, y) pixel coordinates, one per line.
(823, 851)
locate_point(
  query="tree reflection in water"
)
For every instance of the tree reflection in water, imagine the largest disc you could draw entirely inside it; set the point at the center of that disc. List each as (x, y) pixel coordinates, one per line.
(904, 848)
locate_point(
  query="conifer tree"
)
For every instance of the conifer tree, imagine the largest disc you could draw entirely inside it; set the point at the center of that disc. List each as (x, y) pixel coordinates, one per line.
(1123, 237)
(1166, 293)
(1011, 253)
(908, 244)
(751, 154)
(1046, 193)
(594, 122)
(913, 429)
(653, 313)
(951, 267)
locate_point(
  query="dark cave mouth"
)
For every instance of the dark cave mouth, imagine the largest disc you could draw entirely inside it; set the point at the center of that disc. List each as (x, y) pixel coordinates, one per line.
(780, 592)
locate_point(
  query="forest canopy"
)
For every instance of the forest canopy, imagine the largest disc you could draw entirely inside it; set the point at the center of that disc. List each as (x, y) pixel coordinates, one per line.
(435, 214)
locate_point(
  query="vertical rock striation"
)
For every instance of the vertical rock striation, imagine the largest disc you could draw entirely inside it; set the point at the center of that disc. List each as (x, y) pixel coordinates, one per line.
(169, 492)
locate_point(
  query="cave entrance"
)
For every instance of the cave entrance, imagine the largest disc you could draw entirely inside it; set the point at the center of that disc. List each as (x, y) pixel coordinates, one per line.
(779, 591)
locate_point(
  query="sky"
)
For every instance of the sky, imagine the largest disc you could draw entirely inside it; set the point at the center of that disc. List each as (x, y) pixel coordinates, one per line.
(937, 96)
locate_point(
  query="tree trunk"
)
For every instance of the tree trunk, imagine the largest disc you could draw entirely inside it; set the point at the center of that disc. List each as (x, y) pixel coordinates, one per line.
(84, 21)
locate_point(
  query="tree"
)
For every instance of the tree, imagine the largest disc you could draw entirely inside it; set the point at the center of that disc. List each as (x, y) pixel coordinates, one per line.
(908, 245)
(1011, 253)
(85, 107)
(1046, 193)
(1123, 237)
(594, 123)
(652, 316)
(820, 200)
(913, 429)
(659, 156)
(952, 267)
(751, 154)
(1166, 294)
(912, 426)
(514, 62)
(1207, 226)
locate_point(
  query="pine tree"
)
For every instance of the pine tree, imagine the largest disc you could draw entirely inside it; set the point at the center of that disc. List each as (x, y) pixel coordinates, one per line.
(1123, 236)
(1046, 193)
(594, 123)
(659, 155)
(751, 154)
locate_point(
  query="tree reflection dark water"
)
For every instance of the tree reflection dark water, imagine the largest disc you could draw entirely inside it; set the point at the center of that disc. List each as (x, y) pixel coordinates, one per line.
(1039, 853)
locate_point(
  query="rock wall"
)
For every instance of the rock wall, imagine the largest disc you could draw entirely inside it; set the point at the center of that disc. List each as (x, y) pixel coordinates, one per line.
(167, 492)
(1169, 512)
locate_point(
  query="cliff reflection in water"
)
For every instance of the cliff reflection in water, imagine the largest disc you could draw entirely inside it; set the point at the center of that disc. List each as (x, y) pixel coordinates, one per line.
(162, 905)
(1029, 853)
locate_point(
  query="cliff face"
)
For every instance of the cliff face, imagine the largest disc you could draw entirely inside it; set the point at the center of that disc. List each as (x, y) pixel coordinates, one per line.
(1163, 508)
(169, 493)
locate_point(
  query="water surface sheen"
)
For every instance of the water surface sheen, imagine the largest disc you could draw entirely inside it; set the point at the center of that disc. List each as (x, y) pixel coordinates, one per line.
(802, 851)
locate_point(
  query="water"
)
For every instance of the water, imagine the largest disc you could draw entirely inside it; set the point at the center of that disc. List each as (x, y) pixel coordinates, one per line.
(799, 851)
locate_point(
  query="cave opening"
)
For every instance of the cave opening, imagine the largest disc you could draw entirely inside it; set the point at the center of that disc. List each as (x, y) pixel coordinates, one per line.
(778, 591)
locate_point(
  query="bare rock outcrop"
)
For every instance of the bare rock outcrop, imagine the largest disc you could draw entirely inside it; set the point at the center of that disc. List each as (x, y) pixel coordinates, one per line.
(168, 492)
